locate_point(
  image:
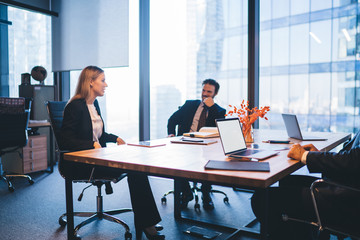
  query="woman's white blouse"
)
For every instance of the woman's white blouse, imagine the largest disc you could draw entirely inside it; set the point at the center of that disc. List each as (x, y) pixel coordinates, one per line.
(97, 123)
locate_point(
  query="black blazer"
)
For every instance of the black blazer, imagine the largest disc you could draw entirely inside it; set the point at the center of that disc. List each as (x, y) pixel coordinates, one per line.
(342, 167)
(184, 117)
(76, 131)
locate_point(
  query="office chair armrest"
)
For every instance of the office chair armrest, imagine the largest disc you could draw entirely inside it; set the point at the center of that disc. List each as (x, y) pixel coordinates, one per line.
(335, 206)
(320, 182)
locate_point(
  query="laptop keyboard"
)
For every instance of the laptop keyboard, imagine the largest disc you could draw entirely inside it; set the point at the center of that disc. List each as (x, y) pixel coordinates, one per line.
(249, 152)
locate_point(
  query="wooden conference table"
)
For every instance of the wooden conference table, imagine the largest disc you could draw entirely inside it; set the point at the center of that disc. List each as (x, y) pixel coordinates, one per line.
(178, 161)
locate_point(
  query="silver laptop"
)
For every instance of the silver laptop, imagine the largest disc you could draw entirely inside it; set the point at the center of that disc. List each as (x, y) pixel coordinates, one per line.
(233, 141)
(293, 129)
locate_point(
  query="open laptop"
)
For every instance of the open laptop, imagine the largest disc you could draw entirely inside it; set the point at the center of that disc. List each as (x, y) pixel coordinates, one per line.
(233, 141)
(293, 129)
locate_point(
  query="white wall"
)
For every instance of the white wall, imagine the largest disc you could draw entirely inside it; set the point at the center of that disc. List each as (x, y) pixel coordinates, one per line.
(90, 32)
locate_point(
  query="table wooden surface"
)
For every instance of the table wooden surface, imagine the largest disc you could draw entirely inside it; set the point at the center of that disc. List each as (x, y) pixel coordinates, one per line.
(188, 161)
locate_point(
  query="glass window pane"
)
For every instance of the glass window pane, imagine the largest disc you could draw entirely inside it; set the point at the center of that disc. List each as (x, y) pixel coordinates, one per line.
(299, 6)
(317, 5)
(280, 47)
(299, 40)
(323, 88)
(198, 40)
(320, 41)
(265, 48)
(265, 10)
(280, 8)
(29, 46)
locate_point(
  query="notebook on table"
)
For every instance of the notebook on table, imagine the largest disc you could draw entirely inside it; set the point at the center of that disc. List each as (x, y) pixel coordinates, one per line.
(238, 166)
(233, 141)
(293, 129)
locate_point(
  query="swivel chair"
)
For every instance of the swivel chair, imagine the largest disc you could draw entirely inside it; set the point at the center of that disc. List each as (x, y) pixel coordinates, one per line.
(14, 120)
(55, 112)
(338, 221)
(195, 189)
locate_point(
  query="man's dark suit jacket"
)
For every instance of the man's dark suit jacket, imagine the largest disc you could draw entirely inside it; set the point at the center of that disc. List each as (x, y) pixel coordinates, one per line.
(76, 131)
(342, 167)
(184, 117)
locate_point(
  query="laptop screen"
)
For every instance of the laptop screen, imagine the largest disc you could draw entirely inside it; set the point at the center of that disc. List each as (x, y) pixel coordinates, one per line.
(292, 126)
(231, 135)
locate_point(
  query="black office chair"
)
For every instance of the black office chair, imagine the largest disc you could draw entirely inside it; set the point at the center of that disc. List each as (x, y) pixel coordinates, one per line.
(328, 222)
(55, 111)
(195, 189)
(14, 120)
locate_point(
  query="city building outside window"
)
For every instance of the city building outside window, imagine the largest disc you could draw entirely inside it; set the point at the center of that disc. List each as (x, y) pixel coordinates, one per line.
(29, 46)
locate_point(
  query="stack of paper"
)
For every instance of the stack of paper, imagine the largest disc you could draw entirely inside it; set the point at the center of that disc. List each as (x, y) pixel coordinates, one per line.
(204, 132)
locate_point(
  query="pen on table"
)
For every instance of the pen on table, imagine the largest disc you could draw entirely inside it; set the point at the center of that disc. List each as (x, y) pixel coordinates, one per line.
(278, 141)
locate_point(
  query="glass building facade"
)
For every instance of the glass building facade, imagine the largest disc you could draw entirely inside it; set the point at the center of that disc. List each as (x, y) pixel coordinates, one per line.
(198, 40)
(309, 63)
(29, 46)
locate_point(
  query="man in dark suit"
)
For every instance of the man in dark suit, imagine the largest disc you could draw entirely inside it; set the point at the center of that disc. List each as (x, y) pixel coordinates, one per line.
(293, 196)
(192, 116)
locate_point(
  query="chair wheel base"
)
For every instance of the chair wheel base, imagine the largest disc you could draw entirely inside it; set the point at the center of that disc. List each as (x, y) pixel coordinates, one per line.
(128, 236)
(62, 222)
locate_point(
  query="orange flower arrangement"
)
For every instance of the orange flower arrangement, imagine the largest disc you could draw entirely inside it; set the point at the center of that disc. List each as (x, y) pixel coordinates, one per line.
(247, 117)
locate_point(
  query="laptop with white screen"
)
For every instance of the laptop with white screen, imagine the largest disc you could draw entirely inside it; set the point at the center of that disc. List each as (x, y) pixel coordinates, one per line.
(233, 142)
(293, 129)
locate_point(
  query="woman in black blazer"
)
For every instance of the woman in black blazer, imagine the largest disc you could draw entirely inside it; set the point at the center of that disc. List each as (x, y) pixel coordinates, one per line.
(83, 128)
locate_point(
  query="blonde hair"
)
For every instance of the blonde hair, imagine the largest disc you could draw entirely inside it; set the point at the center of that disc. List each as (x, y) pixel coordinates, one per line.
(88, 74)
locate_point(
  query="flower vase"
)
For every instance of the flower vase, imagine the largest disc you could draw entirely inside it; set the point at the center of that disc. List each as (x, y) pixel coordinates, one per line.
(249, 135)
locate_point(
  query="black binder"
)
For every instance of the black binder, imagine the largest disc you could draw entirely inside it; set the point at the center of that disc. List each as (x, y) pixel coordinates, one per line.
(238, 166)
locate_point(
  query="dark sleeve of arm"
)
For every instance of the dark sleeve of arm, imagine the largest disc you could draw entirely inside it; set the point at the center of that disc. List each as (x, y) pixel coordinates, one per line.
(215, 111)
(334, 164)
(108, 137)
(174, 120)
(70, 139)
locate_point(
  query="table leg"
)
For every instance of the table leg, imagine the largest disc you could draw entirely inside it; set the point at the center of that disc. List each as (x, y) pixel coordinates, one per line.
(264, 227)
(177, 208)
(69, 208)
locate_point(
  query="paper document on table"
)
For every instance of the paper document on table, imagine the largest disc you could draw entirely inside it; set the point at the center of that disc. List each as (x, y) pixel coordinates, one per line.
(204, 132)
(191, 140)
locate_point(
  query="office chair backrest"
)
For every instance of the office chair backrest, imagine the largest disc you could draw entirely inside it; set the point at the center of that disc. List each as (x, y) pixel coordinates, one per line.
(56, 111)
(56, 114)
(14, 120)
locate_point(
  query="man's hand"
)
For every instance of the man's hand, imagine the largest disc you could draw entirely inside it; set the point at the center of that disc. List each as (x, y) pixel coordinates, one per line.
(171, 135)
(119, 141)
(97, 145)
(296, 152)
(310, 147)
(209, 102)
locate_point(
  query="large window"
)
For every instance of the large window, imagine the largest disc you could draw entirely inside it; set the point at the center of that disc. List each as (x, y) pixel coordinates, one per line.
(29, 46)
(308, 63)
(189, 42)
